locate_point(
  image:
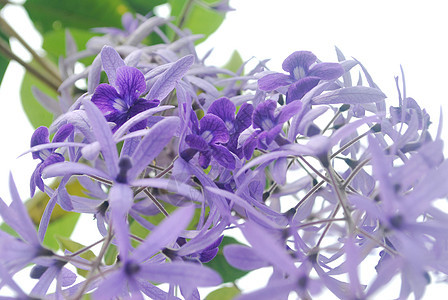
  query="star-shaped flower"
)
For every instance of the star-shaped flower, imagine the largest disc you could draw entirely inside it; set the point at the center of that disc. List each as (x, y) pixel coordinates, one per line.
(121, 101)
(304, 74)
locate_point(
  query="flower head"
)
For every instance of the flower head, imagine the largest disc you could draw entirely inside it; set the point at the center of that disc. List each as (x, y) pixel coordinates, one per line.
(208, 138)
(304, 74)
(121, 102)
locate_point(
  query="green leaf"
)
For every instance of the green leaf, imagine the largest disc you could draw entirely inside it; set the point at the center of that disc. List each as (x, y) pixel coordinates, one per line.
(85, 14)
(144, 6)
(198, 16)
(111, 255)
(72, 246)
(225, 293)
(62, 227)
(36, 113)
(234, 63)
(220, 264)
(4, 61)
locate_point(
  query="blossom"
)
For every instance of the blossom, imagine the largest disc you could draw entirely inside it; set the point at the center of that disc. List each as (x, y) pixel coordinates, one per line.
(304, 74)
(141, 266)
(268, 124)
(225, 110)
(208, 138)
(46, 156)
(122, 101)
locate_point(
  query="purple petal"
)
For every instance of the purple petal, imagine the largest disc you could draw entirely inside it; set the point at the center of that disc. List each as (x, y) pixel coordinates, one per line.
(188, 154)
(208, 255)
(243, 257)
(223, 108)
(181, 273)
(276, 290)
(171, 186)
(263, 116)
(41, 287)
(273, 81)
(39, 137)
(71, 168)
(297, 90)
(204, 159)
(113, 287)
(168, 80)
(130, 83)
(223, 156)
(250, 144)
(350, 95)
(273, 133)
(111, 62)
(63, 132)
(243, 118)
(104, 136)
(299, 59)
(213, 130)
(16, 215)
(288, 111)
(151, 145)
(144, 115)
(140, 105)
(196, 142)
(268, 248)
(326, 71)
(108, 100)
(165, 233)
(121, 199)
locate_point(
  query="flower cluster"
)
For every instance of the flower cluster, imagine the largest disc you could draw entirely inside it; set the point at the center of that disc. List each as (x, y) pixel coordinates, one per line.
(316, 183)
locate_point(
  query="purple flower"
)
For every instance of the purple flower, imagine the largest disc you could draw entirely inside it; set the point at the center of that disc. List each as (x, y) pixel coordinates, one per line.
(122, 101)
(268, 124)
(304, 75)
(143, 265)
(46, 156)
(225, 109)
(16, 253)
(208, 138)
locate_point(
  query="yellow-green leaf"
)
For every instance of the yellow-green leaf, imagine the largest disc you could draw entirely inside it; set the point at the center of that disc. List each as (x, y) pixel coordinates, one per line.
(72, 246)
(225, 293)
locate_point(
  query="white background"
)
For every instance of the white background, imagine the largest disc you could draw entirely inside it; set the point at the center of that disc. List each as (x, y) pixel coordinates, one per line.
(381, 34)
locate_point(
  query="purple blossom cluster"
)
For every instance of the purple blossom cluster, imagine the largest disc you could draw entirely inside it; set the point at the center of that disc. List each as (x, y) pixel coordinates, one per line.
(318, 175)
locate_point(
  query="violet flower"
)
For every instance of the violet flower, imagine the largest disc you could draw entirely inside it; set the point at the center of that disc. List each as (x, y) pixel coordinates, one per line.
(131, 278)
(16, 253)
(46, 156)
(121, 101)
(268, 124)
(208, 138)
(304, 75)
(225, 109)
